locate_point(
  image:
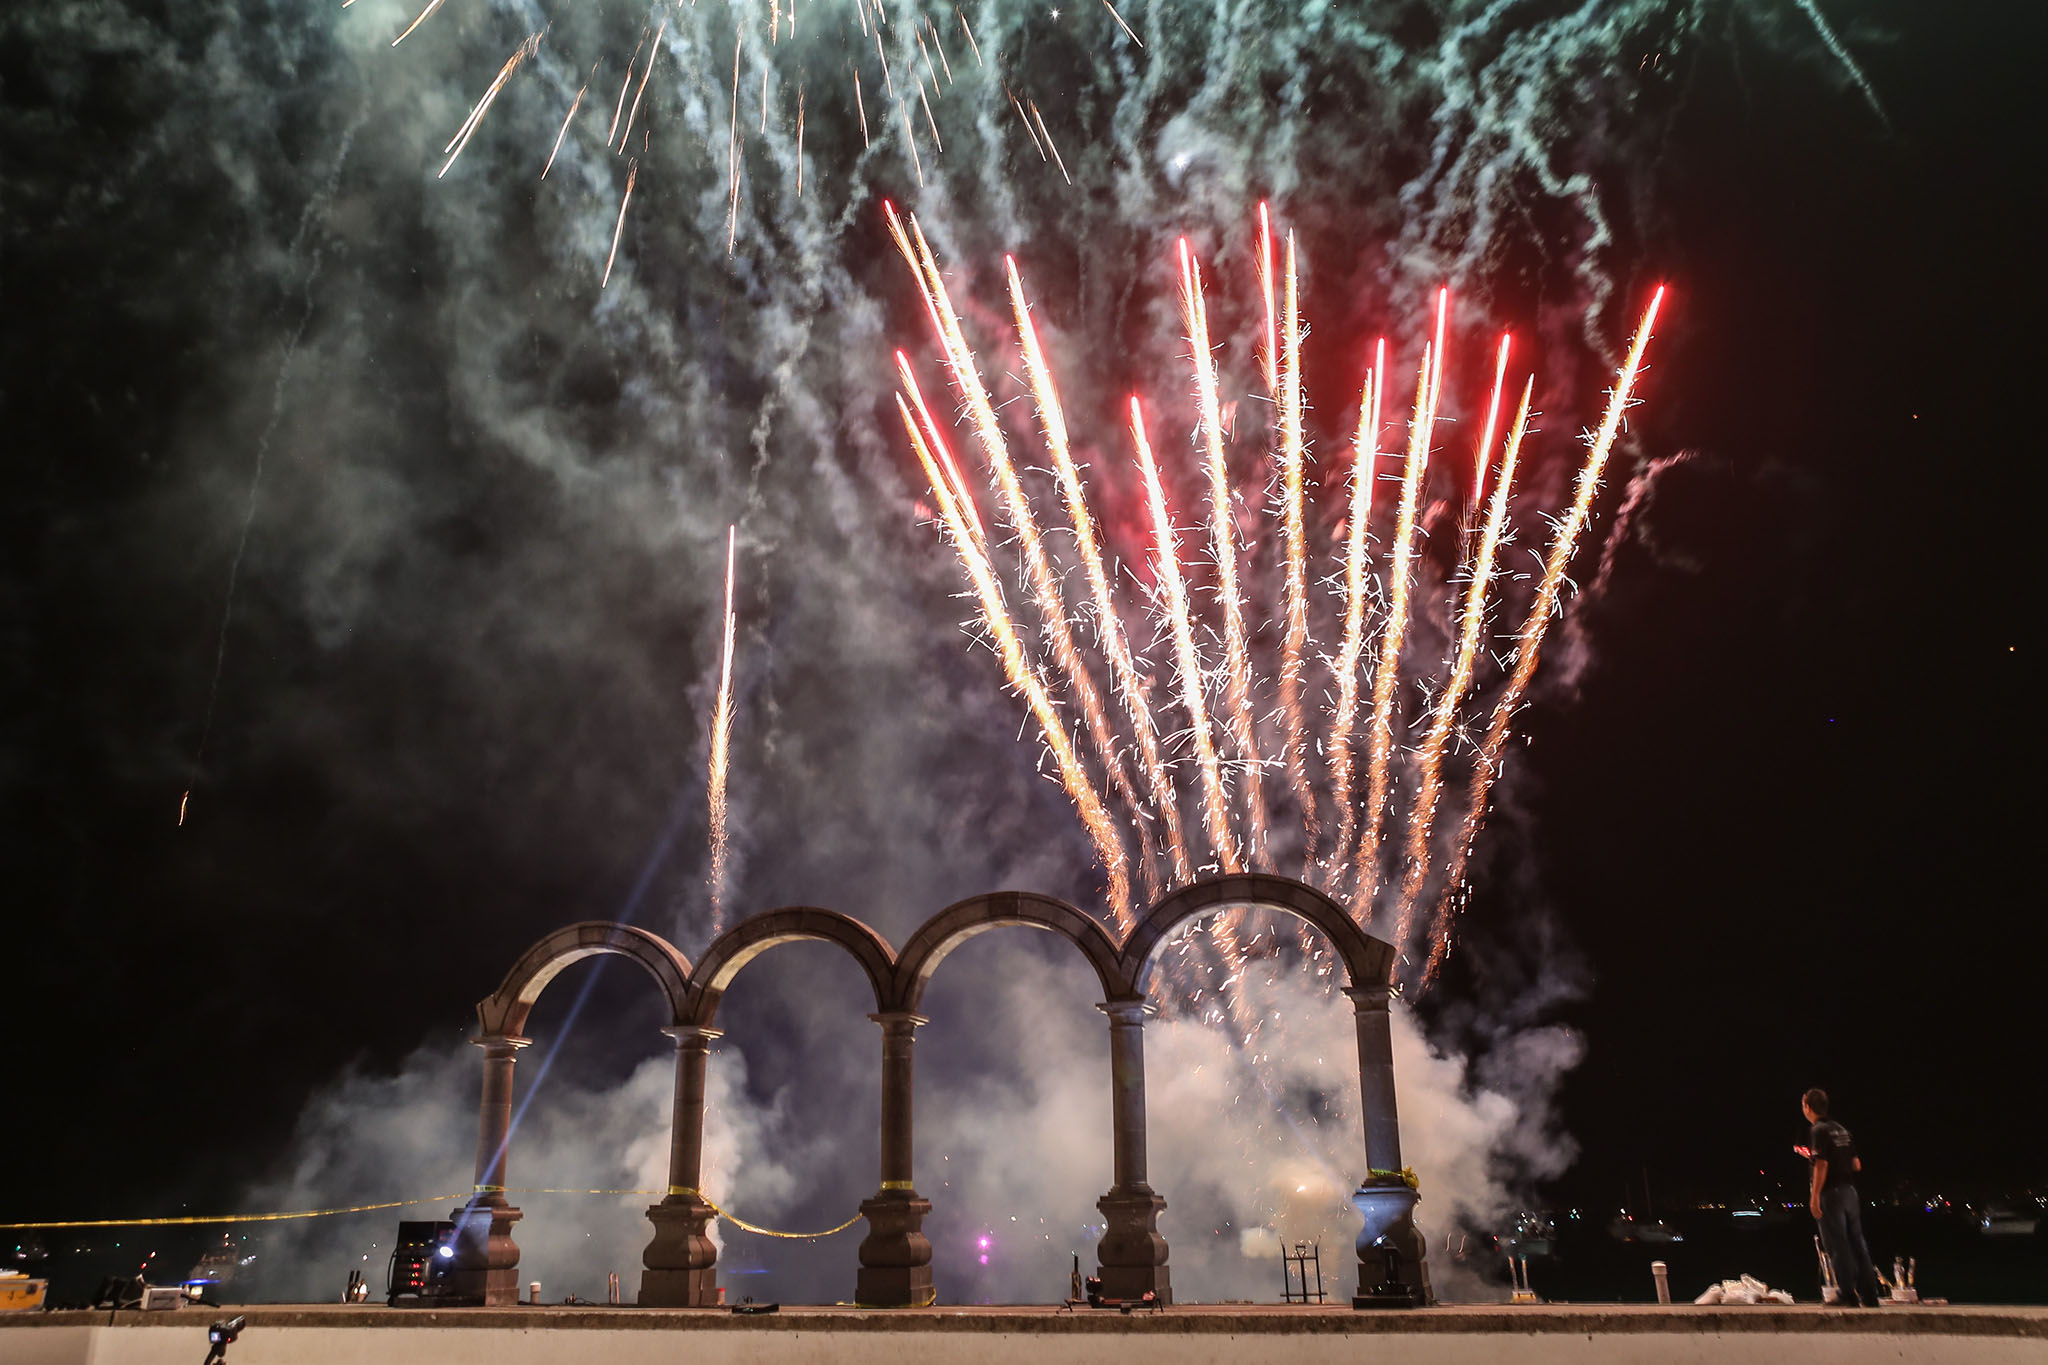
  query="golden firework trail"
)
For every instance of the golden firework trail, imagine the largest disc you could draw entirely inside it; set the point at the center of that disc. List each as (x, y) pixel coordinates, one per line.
(483, 106)
(934, 123)
(1269, 353)
(799, 142)
(1237, 668)
(732, 149)
(1365, 447)
(1029, 131)
(1130, 687)
(1563, 542)
(1295, 640)
(632, 174)
(721, 746)
(1387, 675)
(1430, 757)
(941, 49)
(574, 105)
(1044, 583)
(1173, 597)
(652, 53)
(1025, 677)
(970, 36)
(861, 107)
(969, 512)
(1483, 451)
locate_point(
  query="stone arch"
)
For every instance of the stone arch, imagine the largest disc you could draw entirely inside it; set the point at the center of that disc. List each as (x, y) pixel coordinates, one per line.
(1367, 960)
(957, 923)
(503, 1012)
(751, 937)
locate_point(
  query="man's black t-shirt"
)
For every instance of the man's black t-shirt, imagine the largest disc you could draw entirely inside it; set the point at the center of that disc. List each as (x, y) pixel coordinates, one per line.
(1831, 1143)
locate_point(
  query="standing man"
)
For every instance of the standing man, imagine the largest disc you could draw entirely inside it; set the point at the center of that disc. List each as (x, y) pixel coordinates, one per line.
(1836, 1205)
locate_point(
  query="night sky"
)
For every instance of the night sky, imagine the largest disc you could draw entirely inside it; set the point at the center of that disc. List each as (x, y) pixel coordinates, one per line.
(1774, 822)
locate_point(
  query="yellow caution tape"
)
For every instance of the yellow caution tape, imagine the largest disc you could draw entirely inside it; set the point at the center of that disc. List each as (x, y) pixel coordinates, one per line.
(771, 1232)
(231, 1217)
(401, 1204)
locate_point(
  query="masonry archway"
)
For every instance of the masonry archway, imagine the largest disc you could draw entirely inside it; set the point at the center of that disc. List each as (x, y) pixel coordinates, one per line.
(485, 1267)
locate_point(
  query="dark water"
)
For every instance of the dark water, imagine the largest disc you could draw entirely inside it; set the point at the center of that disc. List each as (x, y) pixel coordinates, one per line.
(1956, 1260)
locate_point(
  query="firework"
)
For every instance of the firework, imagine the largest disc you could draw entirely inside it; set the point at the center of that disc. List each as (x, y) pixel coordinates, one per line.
(721, 745)
(1173, 601)
(1045, 589)
(1023, 675)
(1237, 668)
(574, 105)
(632, 174)
(1344, 719)
(1562, 543)
(1295, 641)
(1130, 688)
(1431, 754)
(483, 106)
(652, 52)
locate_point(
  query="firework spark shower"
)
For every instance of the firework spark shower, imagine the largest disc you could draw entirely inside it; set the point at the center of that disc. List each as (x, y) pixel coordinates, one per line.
(1174, 613)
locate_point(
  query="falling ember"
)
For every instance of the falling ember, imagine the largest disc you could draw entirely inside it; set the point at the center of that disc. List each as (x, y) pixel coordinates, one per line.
(732, 149)
(652, 53)
(799, 142)
(574, 105)
(1295, 641)
(1121, 24)
(1364, 473)
(1025, 678)
(721, 745)
(632, 174)
(425, 15)
(1029, 130)
(183, 802)
(1174, 599)
(1563, 542)
(625, 84)
(1482, 451)
(483, 106)
(1430, 757)
(1237, 668)
(970, 36)
(860, 107)
(1130, 688)
(1056, 159)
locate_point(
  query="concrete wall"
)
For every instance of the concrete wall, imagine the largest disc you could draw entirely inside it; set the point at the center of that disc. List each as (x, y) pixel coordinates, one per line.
(1096, 1341)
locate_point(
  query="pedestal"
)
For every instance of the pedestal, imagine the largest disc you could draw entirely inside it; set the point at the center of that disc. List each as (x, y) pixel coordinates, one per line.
(895, 1256)
(1131, 1258)
(681, 1262)
(1393, 1270)
(484, 1272)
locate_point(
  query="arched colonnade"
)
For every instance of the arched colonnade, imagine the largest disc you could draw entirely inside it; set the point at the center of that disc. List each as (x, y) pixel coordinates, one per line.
(895, 1256)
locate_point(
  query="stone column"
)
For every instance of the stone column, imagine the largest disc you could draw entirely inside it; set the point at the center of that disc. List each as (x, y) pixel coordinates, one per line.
(681, 1262)
(896, 1256)
(1391, 1267)
(1132, 1255)
(485, 1267)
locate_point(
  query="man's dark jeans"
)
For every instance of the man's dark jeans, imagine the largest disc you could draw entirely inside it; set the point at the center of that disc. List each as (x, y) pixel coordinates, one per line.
(1841, 1232)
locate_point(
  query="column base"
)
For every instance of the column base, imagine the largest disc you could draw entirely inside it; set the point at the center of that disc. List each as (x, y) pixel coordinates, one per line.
(895, 1256)
(1131, 1257)
(484, 1272)
(894, 1287)
(1393, 1266)
(682, 1261)
(679, 1288)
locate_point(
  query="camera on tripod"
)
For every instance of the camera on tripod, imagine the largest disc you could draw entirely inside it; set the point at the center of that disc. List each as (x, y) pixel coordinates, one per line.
(222, 1335)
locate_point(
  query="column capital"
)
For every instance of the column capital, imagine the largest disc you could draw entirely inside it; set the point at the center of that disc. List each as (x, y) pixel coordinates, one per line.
(1372, 999)
(1128, 1012)
(500, 1043)
(898, 1021)
(686, 1034)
